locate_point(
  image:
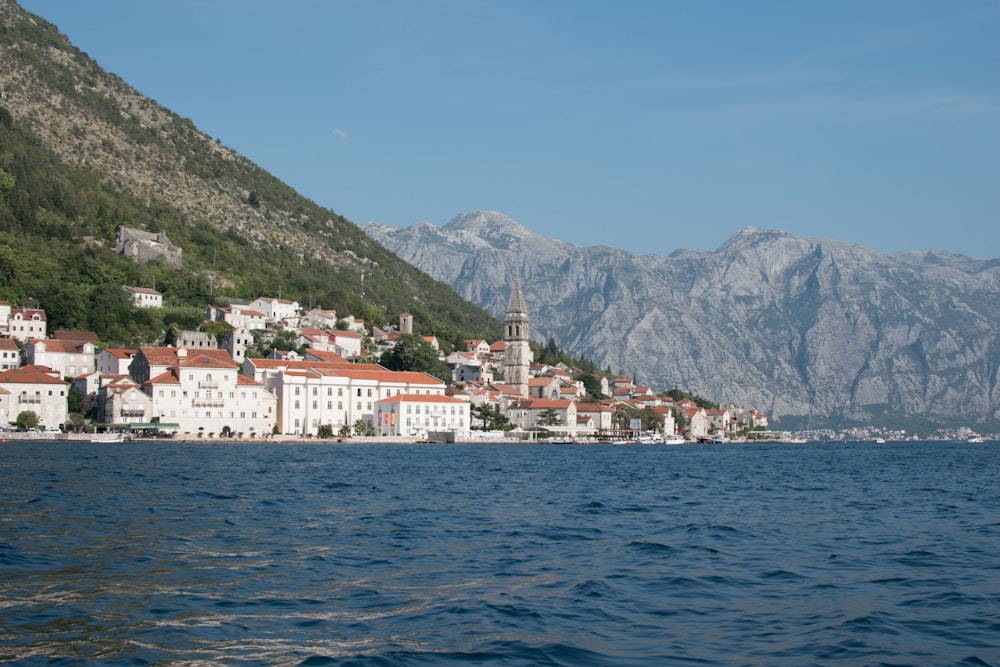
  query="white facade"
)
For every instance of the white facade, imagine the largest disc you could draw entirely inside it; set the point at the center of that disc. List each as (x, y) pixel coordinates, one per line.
(313, 394)
(236, 342)
(143, 297)
(25, 324)
(69, 358)
(10, 354)
(414, 415)
(36, 389)
(115, 361)
(347, 343)
(208, 397)
(122, 401)
(279, 311)
(240, 317)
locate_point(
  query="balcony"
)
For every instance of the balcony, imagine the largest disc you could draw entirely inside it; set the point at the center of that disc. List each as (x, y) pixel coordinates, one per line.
(26, 398)
(132, 412)
(211, 384)
(208, 403)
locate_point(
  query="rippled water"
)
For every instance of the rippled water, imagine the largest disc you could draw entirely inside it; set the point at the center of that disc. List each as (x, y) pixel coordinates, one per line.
(517, 555)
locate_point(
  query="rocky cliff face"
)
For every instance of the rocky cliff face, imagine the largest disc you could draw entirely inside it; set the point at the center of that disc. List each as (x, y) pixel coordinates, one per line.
(810, 331)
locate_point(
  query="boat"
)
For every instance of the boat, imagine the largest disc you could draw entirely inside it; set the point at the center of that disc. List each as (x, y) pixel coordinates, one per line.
(108, 438)
(673, 440)
(879, 441)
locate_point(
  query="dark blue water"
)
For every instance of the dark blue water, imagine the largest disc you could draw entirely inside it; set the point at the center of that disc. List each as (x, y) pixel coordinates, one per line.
(516, 555)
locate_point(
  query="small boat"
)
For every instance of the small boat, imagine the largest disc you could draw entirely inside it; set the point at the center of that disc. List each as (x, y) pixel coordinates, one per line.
(108, 438)
(673, 440)
(879, 441)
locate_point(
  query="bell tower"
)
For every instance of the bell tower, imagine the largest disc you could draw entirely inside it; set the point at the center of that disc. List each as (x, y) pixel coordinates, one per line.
(517, 351)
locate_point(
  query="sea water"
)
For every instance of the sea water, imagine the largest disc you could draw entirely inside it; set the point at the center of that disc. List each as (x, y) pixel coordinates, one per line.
(323, 554)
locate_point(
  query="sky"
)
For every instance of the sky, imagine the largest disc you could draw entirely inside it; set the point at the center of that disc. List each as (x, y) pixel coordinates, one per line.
(646, 125)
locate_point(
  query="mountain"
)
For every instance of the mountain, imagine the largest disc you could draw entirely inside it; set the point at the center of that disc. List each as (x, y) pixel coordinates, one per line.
(82, 152)
(813, 332)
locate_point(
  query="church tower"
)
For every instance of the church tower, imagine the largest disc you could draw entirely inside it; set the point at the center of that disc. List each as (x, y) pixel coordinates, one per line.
(517, 351)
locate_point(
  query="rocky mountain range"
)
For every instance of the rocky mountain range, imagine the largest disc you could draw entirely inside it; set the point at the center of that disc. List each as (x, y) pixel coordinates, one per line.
(813, 332)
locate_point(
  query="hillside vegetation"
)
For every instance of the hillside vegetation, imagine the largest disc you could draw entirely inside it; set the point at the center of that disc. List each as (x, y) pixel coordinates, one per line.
(81, 152)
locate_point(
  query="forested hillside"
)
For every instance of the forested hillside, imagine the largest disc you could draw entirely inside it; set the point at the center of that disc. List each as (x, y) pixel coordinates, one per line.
(81, 152)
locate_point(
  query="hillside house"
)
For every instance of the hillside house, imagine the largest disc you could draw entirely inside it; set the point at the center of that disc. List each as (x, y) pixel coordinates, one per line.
(239, 317)
(144, 297)
(144, 246)
(68, 358)
(24, 324)
(280, 312)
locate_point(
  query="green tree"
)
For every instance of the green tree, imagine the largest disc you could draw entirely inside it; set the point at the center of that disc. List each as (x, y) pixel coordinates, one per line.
(679, 419)
(324, 431)
(75, 400)
(548, 417)
(7, 183)
(26, 420)
(413, 353)
(592, 385)
(492, 419)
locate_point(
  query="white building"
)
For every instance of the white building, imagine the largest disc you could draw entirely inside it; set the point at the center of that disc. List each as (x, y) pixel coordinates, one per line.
(115, 361)
(417, 414)
(206, 396)
(347, 343)
(321, 319)
(313, 394)
(69, 357)
(144, 297)
(240, 317)
(26, 323)
(236, 342)
(37, 389)
(10, 354)
(4, 317)
(122, 401)
(278, 311)
(528, 413)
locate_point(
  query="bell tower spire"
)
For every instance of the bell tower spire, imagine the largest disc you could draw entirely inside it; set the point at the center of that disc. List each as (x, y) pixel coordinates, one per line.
(517, 351)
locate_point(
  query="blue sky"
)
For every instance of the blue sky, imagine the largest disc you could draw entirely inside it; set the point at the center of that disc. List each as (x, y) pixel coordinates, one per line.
(650, 126)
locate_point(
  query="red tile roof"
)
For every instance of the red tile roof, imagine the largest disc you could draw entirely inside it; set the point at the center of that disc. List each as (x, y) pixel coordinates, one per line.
(30, 375)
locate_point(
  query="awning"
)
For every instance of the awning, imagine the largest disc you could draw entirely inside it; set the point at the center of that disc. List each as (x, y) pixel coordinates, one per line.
(150, 426)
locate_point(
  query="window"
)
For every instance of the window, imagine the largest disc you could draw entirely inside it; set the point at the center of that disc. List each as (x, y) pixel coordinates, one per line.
(315, 391)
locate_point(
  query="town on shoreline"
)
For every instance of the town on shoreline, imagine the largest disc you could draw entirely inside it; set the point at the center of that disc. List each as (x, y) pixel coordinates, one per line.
(339, 386)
